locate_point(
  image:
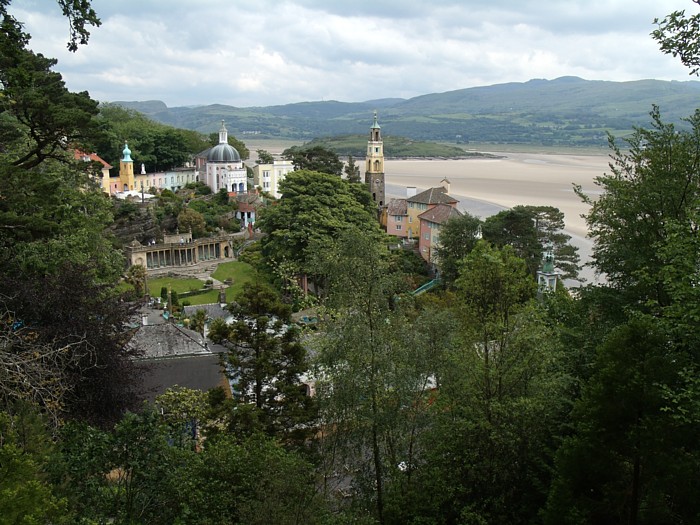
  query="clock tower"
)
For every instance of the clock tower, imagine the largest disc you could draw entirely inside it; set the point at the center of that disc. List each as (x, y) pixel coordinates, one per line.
(374, 164)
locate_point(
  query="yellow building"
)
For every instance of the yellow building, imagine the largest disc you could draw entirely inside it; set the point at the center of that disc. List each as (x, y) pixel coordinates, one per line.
(268, 176)
(126, 171)
(103, 181)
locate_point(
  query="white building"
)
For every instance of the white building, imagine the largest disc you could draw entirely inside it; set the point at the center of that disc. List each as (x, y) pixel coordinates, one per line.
(224, 167)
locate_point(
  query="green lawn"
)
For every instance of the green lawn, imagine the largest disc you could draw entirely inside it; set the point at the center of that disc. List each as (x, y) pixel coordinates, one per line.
(178, 285)
(238, 272)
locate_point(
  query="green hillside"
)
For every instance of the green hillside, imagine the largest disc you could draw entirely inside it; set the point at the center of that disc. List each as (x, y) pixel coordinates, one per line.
(567, 111)
(356, 145)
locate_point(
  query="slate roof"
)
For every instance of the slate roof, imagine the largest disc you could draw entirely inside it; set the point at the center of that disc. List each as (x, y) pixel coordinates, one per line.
(397, 207)
(433, 196)
(213, 310)
(440, 214)
(202, 372)
(169, 340)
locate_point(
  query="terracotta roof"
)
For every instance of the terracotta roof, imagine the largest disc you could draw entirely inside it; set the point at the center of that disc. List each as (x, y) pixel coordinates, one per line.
(440, 214)
(433, 196)
(397, 207)
(79, 155)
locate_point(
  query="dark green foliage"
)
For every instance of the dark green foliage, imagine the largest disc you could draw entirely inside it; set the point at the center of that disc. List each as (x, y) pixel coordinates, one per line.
(190, 220)
(488, 454)
(264, 157)
(457, 239)
(202, 189)
(96, 369)
(126, 210)
(314, 209)
(629, 451)
(267, 361)
(157, 146)
(649, 203)
(35, 100)
(222, 197)
(251, 480)
(531, 229)
(375, 376)
(119, 475)
(352, 170)
(215, 212)
(515, 228)
(314, 158)
(26, 494)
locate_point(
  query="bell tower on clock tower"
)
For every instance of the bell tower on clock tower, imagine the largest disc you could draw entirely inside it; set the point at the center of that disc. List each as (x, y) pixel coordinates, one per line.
(374, 164)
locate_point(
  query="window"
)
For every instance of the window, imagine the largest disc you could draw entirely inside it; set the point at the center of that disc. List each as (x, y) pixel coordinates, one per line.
(426, 236)
(376, 149)
(398, 227)
(410, 205)
(398, 218)
(410, 219)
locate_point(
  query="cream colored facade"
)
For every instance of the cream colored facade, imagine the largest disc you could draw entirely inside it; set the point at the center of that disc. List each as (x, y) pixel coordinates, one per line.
(178, 250)
(268, 176)
(374, 165)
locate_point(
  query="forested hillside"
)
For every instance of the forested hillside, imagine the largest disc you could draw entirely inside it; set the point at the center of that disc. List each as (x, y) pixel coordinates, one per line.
(567, 111)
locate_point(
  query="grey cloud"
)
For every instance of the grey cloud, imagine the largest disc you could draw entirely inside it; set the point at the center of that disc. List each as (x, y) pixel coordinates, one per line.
(272, 52)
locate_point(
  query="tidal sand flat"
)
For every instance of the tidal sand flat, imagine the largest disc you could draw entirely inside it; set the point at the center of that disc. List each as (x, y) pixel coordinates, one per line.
(485, 186)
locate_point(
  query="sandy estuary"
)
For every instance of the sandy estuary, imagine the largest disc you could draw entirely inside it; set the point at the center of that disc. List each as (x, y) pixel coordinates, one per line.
(486, 186)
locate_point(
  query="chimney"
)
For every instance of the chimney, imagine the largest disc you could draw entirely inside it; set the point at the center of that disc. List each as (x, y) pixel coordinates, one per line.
(410, 192)
(445, 183)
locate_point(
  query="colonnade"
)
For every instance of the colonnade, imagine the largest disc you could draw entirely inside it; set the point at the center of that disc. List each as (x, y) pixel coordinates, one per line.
(159, 256)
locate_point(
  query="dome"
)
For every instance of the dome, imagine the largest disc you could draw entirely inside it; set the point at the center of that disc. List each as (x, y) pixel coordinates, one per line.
(223, 153)
(127, 153)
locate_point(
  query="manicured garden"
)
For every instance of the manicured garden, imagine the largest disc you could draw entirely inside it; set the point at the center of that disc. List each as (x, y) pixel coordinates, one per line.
(238, 272)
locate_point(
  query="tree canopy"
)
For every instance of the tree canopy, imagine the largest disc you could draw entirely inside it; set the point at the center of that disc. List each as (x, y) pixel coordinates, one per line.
(314, 158)
(315, 207)
(678, 34)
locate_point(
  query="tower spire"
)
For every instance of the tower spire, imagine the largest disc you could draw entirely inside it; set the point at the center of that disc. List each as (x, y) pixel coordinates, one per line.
(223, 134)
(374, 164)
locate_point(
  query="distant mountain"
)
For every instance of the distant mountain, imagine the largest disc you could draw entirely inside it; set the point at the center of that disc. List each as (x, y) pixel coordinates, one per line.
(565, 111)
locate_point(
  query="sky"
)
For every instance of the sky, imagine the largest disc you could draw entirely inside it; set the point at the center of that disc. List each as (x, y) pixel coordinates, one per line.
(270, 52)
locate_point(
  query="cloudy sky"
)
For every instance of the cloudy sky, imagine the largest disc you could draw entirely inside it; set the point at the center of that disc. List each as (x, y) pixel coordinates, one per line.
(267, 52)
